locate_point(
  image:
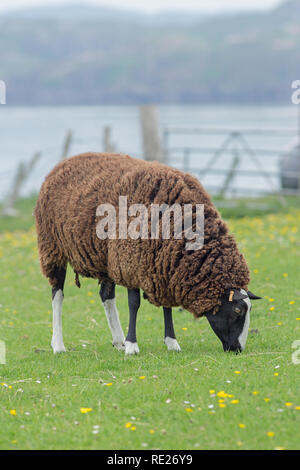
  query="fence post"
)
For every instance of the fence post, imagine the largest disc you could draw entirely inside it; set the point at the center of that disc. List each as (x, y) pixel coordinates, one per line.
(299, 147)
(186, 160)
(166, 145)
(108, 144)
(22, 174)
(150, 134)
(67, 144)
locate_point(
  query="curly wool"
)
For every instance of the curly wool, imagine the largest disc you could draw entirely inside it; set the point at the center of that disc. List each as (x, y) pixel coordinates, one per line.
(168, 274)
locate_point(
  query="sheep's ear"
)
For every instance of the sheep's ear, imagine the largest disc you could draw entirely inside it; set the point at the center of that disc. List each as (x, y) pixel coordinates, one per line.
(253, 296)
(239, 295)
(234, 295)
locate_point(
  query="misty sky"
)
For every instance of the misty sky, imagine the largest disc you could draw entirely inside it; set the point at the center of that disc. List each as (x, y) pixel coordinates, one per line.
(154, 5)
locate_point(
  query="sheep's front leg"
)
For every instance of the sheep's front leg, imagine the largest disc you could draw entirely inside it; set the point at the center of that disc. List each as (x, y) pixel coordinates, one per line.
(107, 294)
(134, 300)
(57, 300)
(170, 339)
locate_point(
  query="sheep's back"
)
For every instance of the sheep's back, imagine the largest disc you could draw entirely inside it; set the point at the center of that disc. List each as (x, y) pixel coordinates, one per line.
(65, 212)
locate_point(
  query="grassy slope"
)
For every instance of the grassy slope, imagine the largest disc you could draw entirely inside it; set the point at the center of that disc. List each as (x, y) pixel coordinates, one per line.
(48, 391)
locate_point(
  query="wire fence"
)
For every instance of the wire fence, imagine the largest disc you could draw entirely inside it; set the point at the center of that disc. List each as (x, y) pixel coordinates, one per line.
(248, 161)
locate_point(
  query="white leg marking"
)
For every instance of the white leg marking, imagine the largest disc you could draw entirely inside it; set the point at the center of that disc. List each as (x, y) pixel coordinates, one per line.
(112, 316)
(57, 336)
(171, 344)
(131, 348)
(244, 334)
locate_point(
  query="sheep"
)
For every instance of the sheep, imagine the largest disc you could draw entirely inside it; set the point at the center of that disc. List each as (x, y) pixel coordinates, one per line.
(211, 281)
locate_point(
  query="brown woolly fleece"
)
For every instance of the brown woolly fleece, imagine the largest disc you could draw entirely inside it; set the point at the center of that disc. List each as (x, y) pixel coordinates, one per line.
(168, 274)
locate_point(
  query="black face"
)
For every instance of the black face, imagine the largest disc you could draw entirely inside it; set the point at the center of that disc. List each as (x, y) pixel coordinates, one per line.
(231, 322)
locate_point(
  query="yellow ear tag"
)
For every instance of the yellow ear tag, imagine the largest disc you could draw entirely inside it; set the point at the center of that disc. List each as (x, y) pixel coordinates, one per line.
(231, 295)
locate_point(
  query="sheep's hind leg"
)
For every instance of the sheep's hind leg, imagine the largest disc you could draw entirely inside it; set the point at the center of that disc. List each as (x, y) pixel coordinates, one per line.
(107, 294)
(134, 300)
(170, 339)
(57, 342)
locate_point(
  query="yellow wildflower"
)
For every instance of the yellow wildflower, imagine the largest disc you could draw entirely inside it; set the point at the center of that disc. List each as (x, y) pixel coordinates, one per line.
(85, 410)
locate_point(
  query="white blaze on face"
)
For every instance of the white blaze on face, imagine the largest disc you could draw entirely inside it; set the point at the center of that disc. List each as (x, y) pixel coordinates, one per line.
(244, 334)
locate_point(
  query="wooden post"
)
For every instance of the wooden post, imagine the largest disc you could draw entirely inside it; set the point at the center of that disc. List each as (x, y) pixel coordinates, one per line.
(298, 147)
(22, 174)
(186, 160)
(108, 145)
(67, 144)
(150, 134)
(166, 145)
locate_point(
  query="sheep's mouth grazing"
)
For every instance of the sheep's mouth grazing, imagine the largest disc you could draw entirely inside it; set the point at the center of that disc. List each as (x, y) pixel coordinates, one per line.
(236, 347)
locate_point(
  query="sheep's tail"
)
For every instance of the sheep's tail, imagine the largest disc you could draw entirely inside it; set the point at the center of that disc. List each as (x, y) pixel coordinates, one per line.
(77, 282)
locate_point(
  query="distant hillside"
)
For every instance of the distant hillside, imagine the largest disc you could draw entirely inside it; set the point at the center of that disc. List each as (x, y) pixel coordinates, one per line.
(76, 11)
(80, 12)
(81, 55)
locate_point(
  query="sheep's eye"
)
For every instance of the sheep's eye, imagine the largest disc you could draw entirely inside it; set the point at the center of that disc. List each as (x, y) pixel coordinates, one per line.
(237, 310)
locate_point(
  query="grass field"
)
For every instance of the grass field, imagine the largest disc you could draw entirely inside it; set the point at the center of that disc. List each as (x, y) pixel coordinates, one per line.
(93, 397)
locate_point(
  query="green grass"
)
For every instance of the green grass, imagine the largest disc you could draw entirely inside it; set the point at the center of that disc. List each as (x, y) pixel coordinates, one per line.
(173, 406)
(255, 206)
(24, 219)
